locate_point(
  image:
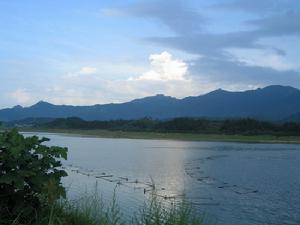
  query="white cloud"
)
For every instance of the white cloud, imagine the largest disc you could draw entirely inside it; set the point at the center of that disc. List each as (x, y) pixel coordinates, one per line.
(87, 70)
(21, 96)
(263, 58)
(111, 12)
(164, 68)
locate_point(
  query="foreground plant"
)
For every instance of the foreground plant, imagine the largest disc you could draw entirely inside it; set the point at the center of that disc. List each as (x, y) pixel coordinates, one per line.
(91, 210)
(157, 212)
(30, 176)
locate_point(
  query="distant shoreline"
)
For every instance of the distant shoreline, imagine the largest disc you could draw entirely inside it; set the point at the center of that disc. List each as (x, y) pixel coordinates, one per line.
(268, 139)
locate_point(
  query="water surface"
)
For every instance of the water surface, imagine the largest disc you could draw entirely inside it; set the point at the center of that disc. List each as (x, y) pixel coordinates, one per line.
(234, 183)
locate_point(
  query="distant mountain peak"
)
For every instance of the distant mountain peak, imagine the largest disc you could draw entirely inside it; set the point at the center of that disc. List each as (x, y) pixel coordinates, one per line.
(279, 87)
(159, 97)
(219, 91)
(42, 104)
(17, 107)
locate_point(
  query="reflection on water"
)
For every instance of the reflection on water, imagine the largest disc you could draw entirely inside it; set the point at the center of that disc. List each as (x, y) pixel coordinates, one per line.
(239, 184)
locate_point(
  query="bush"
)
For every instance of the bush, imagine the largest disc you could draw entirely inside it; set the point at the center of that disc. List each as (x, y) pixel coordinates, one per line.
(30, 176)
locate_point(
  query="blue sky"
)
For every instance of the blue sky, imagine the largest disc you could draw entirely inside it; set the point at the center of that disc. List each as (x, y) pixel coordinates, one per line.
(88, 52)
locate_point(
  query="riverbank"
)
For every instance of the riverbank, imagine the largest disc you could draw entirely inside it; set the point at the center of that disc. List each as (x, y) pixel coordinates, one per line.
(173, 136)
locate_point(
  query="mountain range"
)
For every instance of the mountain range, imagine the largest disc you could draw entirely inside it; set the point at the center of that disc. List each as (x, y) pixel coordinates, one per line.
(270, 103)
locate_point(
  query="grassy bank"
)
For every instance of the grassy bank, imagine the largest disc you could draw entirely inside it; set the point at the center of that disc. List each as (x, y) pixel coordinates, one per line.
(173, 136)
(91, 210)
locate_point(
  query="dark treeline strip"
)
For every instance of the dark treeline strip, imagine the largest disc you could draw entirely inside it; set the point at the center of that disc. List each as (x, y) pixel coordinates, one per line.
(189, 125)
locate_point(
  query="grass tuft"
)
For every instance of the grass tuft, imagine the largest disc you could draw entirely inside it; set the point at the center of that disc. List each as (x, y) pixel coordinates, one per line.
(90, 210)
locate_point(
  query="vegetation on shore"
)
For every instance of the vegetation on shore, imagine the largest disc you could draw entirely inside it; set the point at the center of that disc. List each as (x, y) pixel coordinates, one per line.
(171, 135)
(91, 210)
(31, 192)
(245, 126)
(189, 129)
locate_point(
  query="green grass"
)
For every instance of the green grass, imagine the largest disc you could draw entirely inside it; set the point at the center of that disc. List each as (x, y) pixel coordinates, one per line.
(90, 210)
(174, 136)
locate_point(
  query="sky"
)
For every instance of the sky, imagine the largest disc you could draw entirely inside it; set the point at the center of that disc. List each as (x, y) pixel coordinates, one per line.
(95, 52)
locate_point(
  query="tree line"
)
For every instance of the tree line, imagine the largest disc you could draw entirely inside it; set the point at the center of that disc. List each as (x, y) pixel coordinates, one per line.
(245, 126)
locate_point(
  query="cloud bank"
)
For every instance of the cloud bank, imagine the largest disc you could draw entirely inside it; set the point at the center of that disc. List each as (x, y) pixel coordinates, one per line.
(245, 57)
(164, 68)
(21, 96)
(114, 52)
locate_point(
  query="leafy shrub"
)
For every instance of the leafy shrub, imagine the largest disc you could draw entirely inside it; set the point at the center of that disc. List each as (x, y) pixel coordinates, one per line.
(30, 175)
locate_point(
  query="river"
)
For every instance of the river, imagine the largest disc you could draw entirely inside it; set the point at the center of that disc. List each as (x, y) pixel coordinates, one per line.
(231, 183)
